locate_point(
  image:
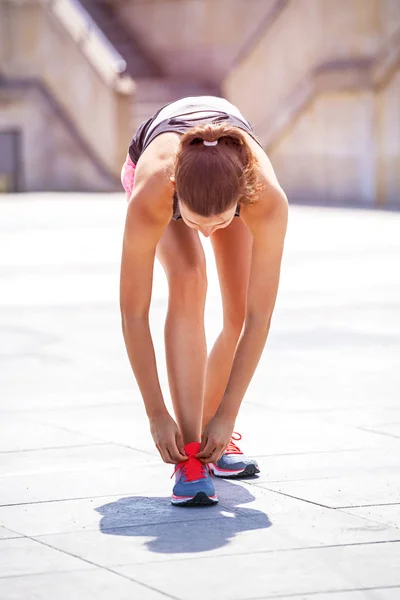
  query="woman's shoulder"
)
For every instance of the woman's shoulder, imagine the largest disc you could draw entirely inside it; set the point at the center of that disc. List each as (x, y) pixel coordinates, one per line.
(271, 199)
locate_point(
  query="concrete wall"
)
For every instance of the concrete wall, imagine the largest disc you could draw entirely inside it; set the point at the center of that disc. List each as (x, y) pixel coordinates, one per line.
(328, 154)
(51, 157)
(320, 89)
(36, 45)
(388, 142)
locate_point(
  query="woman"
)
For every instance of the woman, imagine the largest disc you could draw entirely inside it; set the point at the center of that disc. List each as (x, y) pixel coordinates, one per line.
(198, 167)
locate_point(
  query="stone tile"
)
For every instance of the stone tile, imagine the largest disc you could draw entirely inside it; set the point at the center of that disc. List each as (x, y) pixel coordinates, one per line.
(23, 556)
(326, 465)
(108, 481)
(104, 513)
(107, 423)
(370, 593)
(389, 515)
(91, 584)
(80, 458)
(267, 432)
(309, 426)
(19, 433)
(248, 519)
(373, 488)
(367, 417)
(7, 534)
(21, 401)
(307, 571)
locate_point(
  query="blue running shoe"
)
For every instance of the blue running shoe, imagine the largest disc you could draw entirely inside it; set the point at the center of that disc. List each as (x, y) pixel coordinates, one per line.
(193, 485)
(233, 463)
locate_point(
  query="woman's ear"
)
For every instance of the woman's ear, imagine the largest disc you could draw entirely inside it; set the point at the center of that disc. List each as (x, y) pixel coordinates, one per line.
(172, 179)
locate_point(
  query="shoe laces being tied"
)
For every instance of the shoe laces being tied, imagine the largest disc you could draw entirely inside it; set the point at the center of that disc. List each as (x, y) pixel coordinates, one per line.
(192, 469)
(231, 447)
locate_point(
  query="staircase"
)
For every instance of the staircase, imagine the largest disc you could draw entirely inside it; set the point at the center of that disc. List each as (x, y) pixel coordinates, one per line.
(137, 63)
(152, 88)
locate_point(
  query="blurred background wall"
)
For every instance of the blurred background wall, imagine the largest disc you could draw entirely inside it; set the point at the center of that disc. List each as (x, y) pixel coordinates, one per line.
(318, 79)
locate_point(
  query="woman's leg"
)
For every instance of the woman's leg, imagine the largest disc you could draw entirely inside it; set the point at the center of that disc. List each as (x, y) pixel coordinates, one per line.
(182, 257)
(232, 249)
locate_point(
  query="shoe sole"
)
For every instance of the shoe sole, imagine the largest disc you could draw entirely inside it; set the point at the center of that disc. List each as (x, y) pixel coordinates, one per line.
(249, 471)
(200, 499)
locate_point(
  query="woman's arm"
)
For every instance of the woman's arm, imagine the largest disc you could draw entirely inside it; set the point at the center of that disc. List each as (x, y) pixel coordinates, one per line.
(268, 240)
(149, 212)
(267, 222)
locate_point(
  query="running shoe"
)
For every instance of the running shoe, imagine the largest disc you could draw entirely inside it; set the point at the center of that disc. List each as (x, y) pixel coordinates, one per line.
(233, 463)
(193, 484)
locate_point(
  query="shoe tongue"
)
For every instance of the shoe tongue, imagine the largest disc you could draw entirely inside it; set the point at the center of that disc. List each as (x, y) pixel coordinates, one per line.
(192, 448)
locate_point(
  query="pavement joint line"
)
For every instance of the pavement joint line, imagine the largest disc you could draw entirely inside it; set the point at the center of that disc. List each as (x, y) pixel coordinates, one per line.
(302, 595)
(371, 520)
(247, 553)
(38, 573)
(98, 566)
(96, 441)
(69, 407)
(144, 584)
(366, 505)
(147, 452)
(89, 437)
(55, 448)
(322, 411)
(121, 495)
(291, 496)
(391, 435)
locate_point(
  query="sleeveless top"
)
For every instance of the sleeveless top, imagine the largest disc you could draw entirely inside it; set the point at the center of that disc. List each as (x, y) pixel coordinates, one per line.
(179, 116)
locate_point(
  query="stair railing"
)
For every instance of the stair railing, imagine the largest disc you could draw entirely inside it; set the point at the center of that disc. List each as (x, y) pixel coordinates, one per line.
(107, 61)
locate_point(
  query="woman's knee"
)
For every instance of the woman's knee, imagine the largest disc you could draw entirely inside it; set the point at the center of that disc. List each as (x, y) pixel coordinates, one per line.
(188, 286)
(234, 321)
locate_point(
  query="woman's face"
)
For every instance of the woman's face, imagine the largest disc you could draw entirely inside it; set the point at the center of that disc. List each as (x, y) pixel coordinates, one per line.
(206, 225)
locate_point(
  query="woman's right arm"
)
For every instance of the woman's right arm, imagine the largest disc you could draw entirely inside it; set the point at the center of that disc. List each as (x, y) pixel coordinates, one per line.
(149, 213)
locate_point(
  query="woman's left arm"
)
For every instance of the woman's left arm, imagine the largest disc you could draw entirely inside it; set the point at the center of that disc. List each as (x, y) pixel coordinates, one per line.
(267, 223)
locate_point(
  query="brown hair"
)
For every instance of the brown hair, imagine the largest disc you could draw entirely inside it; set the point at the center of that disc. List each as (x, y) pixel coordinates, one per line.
(210, 179)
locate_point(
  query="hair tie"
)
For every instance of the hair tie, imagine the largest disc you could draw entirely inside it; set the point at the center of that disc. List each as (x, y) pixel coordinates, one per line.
(206, 143)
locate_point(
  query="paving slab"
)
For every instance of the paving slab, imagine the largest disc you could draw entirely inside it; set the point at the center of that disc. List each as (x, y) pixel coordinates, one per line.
(247, 519)
(341, 492)
(72, 458)
(19, 433)
(391, 593)
(111, 480)
(79, 473)
(110, 423)
(101, 514)
(20, 401)
(23, 556)
(307, 570)
(389, 514)
(327, 465)
(91, 584)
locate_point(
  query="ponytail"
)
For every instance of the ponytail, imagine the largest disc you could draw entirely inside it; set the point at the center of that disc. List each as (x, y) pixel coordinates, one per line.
(215, 169)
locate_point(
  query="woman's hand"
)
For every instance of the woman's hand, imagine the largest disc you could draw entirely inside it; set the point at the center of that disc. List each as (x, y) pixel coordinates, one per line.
(215, 438)
(167, 438)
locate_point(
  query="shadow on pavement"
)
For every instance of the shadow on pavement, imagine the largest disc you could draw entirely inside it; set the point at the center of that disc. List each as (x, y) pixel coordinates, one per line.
(184, 530)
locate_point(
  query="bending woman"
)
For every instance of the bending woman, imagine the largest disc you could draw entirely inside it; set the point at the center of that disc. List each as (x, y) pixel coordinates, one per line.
(196, 166)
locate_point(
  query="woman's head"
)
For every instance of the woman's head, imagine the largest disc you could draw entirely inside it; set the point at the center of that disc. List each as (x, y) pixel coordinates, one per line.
(214, 171)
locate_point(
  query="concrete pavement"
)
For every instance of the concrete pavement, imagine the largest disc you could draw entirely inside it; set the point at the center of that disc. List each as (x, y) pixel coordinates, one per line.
(84, 497)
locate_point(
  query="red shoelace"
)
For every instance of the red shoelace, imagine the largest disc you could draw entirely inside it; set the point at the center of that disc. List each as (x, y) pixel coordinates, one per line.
(192, 469)
(231, 447)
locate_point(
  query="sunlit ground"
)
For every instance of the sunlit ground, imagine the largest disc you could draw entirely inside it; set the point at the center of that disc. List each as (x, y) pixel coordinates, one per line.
(85, 498)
